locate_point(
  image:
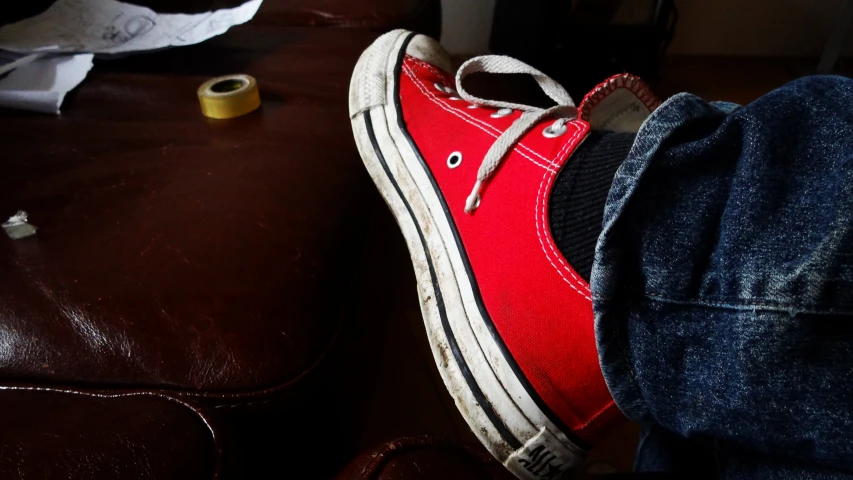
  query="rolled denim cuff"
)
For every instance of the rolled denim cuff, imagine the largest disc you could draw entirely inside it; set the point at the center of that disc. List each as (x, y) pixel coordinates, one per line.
(609, 286)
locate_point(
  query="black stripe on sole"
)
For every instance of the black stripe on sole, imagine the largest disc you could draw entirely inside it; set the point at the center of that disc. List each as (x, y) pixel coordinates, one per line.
(484, 403)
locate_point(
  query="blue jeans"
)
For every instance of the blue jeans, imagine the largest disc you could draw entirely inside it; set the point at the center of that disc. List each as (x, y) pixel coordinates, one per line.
(723, 284)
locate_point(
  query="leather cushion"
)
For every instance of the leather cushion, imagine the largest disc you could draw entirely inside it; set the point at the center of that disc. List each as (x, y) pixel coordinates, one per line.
(424, 457)
(176, 251)
(88, 436)
(422, 15)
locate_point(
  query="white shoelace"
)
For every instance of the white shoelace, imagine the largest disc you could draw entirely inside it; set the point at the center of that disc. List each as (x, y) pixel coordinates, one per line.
(564, 111)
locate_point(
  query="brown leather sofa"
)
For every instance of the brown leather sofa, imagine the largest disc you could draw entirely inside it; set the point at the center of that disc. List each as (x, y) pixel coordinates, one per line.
(426, 457)
(423, 458)
(178, 314)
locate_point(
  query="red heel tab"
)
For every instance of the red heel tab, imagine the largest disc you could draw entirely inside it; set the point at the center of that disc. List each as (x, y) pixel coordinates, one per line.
(620, 104)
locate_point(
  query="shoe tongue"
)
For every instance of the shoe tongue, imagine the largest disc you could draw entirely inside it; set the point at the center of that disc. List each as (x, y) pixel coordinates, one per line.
(619, 104)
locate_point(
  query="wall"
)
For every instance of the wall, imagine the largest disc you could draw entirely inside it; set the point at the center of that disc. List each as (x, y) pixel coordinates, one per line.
(467, 25)
(756, 27)
(706, 27)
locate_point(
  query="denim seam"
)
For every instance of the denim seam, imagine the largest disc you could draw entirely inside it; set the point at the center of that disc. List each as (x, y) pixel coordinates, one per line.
(623, 339)
(746, 306)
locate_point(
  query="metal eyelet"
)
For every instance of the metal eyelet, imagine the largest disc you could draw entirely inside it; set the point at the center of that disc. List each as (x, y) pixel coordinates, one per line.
(454, 160)
(473, 105)
(551, 132)
(502, 113)
(444, 89)
(454, 98)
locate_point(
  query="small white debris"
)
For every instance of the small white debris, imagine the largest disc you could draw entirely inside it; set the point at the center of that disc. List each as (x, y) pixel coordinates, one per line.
(17, 227)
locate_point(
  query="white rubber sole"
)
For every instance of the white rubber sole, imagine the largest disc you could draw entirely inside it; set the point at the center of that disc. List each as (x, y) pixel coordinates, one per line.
(486, 385)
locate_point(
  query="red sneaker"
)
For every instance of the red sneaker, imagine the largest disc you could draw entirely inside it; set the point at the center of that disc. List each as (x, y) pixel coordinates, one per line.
(510, 322)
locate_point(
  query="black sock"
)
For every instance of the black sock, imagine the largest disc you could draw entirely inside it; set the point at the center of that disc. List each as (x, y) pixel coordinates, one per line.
(580, 192)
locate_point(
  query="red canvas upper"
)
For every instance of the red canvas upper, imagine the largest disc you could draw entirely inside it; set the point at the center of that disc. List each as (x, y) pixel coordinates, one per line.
(539, 305)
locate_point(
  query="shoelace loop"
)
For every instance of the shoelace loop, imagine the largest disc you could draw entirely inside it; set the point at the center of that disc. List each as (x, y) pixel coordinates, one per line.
(564, 111)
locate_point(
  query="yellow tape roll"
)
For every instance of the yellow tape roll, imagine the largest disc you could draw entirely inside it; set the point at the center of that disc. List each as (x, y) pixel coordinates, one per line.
(229, 96)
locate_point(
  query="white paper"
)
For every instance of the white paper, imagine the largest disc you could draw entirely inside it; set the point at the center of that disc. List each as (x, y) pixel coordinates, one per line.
(41, 85)
(109, 26)
(10, 60)
(41, 74)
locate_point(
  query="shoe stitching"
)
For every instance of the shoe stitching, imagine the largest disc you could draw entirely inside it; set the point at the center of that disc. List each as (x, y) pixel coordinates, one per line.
(541, 228)
(563, 151)
(479, 122)
(632, 83)
(548, 236)
(415, 67)
(597, 414)
(540, 198)
(412, 71)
